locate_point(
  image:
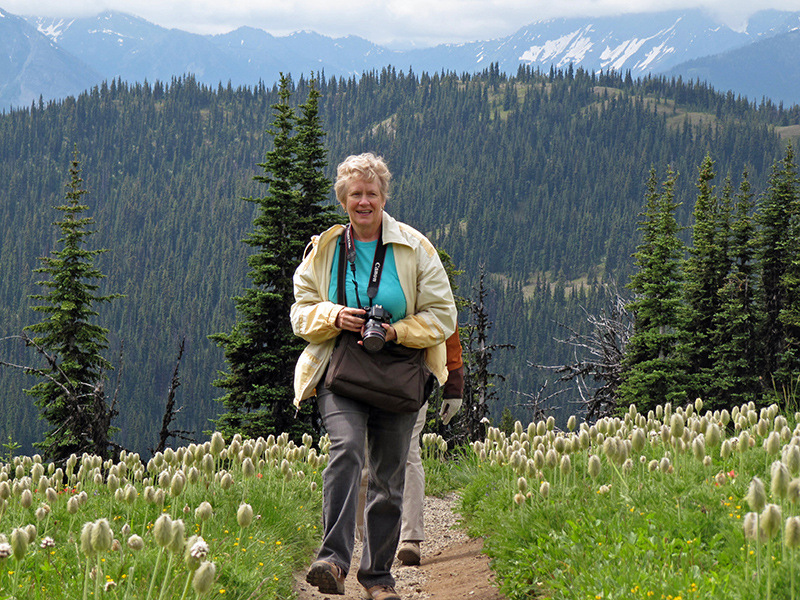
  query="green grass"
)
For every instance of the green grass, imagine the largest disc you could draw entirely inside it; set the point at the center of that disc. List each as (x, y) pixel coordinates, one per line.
(256, 561)
(632, 532)
(664, 521)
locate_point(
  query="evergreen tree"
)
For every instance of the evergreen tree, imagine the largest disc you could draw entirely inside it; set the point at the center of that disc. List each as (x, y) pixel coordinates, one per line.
(735, 357)
(704, 272)
(71, 397)
(261, 349)
(653, 371)
(778, 251)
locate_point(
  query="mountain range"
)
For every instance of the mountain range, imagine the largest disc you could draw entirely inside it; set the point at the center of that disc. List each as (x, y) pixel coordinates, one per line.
(52, 58)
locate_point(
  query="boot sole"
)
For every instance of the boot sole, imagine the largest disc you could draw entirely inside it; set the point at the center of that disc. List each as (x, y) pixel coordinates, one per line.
(408, 557)
(322, 576)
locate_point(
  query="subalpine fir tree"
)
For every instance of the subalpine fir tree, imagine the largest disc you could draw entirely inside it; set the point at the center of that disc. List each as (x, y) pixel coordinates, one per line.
(704, 271)
(653, 371)
(261, 349)
(735, 357)
(779, 258)
(71, 397)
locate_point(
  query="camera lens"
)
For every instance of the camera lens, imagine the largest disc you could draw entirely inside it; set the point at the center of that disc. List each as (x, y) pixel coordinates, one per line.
(374, 333)
(374, 342)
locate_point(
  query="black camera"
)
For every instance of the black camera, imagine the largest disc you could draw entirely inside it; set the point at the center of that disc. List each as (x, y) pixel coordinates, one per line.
(374, 333)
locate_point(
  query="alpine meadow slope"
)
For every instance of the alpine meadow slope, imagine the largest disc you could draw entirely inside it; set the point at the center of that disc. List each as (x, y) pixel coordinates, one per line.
(539, 178)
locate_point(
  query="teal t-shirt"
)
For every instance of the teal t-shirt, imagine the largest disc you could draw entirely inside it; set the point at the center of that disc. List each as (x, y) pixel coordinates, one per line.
(390, 293)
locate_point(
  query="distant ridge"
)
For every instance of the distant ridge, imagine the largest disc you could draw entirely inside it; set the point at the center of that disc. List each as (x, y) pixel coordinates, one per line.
(53, 58)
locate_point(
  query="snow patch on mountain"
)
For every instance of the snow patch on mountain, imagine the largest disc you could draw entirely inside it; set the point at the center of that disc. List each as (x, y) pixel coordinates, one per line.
(121, 37)
(573, 47)
(54, 29)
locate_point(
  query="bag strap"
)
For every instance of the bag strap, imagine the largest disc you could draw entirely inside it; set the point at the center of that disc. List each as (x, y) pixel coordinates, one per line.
(377, 263)
(341, 291)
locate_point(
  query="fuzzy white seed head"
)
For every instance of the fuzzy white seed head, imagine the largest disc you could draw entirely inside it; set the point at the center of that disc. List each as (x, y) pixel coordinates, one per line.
(676, 426)
(566, 465)
(792, 459)
(19, 543)
(770, 520)
(756, 495)
(102, 536)
(162, 530)
(779, 480)
(178, 540)
(86, 539)
(204, 511)
(750, 524)
(595, 466)
(791, 533)
(544, 489)
(204, 577)
(773, 443)
(244, 516)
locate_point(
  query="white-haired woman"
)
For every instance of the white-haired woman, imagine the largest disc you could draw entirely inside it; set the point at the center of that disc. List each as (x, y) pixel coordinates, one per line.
(414, 289)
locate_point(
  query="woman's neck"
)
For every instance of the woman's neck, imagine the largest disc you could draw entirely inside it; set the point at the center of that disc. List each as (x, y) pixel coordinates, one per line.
(369, 235)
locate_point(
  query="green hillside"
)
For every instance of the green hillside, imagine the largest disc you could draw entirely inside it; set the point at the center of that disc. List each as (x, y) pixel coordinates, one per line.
(539, 177)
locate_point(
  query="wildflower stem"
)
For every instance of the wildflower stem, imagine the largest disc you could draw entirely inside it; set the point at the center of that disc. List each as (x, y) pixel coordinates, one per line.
(129, 585)
(154, 573)
(186, 585)
(86, 573)
(166, 578)
(769, 569)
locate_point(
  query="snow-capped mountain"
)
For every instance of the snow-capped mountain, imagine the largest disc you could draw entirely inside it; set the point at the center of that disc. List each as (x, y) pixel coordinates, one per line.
(113, 45)
(34, 67)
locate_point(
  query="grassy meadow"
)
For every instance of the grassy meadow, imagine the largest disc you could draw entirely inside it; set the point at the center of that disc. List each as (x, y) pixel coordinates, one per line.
(675, 505)
(222, 519)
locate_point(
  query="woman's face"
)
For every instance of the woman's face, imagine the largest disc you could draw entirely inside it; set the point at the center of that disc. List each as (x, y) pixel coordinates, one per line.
(364, 204)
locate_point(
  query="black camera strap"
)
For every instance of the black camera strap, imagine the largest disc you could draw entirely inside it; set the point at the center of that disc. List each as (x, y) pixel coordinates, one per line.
(348, 249)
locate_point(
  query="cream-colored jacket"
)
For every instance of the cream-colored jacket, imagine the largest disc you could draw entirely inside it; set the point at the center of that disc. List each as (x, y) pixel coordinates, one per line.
(430, 316)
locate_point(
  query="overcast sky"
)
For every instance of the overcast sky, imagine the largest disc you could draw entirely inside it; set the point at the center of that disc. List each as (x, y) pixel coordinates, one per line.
(397, 24)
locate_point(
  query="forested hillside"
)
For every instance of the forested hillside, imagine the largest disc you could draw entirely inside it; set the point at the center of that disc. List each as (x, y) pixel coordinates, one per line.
(539, 177)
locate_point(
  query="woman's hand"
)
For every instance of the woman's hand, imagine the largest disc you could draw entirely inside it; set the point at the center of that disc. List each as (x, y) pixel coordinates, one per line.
(351, 319)
(391, 334)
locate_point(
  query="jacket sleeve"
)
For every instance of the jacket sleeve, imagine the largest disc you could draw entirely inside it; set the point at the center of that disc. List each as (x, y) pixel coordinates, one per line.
(434, 317)
(313, 315)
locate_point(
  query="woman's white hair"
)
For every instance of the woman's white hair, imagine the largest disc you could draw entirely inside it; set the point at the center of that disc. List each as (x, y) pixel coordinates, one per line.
(367, 167)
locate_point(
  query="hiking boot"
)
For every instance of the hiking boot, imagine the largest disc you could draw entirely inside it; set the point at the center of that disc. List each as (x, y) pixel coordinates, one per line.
(328, 577)
(409, 553)
(382, 592)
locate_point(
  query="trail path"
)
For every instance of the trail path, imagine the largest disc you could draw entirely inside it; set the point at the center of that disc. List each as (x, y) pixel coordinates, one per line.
(452, 568)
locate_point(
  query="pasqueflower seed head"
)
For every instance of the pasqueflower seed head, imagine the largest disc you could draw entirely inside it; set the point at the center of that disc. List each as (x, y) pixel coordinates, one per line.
(244, 516)
(162, 530)
(770, 521)
(791, 532)
(594, 466)
(86, 539)
(102, 536)
(204, 577)
(19, 543)
(756, 495)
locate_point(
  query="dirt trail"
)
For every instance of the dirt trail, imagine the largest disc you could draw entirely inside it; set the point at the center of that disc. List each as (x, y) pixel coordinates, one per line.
(452, 568)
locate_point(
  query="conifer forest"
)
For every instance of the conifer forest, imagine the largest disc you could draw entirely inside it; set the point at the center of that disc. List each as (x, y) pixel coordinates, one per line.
(557, 186)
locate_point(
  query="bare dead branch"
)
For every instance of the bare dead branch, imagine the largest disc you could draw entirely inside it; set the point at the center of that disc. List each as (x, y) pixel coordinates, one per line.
(170, 410)
(597, 356)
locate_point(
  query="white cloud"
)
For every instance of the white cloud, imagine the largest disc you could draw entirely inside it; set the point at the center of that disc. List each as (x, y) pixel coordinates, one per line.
(394, 23)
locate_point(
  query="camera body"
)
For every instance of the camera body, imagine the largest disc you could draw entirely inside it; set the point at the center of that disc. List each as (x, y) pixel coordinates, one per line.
(374, 333)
